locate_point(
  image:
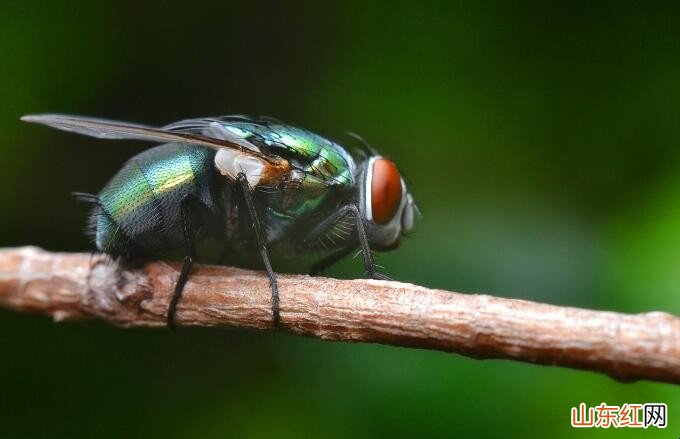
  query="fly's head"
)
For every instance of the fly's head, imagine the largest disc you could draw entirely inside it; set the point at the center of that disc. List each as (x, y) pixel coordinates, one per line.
(386, 205)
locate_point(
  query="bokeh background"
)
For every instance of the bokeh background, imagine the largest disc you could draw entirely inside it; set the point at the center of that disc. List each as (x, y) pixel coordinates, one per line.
(541, 142)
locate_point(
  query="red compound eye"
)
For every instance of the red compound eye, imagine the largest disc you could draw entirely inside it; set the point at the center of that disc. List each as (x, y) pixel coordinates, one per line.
(385, 190)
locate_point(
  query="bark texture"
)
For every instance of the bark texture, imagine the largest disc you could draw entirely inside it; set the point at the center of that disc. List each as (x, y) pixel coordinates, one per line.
(76, 286)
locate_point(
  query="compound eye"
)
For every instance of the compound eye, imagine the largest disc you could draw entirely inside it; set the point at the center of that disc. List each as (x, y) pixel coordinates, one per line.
(385, 190)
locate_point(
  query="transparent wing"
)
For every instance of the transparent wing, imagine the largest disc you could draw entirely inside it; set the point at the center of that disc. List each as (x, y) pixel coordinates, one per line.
(110, 129)
(214, 127)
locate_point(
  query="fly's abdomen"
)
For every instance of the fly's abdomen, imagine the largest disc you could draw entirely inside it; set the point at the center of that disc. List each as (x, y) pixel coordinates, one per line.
(139, 210)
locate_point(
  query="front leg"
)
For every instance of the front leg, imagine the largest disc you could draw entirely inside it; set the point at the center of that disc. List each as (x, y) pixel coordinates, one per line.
(328, 224)
(369, 264)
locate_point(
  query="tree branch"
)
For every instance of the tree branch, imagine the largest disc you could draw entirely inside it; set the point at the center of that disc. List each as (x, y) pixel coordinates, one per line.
(76, 286)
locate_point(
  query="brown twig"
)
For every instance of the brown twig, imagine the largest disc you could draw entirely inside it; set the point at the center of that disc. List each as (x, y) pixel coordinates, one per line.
(75, 286)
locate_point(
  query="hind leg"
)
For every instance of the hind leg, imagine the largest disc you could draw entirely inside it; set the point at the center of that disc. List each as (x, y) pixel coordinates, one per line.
(189, 252)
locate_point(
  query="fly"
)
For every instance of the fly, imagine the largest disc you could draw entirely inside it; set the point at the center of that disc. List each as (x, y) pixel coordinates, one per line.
(266, 189)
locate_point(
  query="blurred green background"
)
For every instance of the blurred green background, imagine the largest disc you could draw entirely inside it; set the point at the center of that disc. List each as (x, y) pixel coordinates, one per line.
(540, 141)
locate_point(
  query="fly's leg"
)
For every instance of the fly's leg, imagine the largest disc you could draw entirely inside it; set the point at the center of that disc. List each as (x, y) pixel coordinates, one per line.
(325, 225)
(369, 265)
(261, 244)
(186, 264)
(321, 229)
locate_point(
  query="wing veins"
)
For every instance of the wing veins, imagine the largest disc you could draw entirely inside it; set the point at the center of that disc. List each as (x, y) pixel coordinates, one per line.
(109, 129)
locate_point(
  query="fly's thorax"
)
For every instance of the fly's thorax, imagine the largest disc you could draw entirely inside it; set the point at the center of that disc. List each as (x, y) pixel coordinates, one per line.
(385, 204)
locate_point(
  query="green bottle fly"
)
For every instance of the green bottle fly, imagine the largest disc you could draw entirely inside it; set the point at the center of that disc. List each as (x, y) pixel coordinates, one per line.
(262, 188)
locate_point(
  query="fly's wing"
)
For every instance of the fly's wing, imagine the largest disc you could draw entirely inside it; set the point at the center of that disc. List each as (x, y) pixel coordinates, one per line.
(111, 129)
(216, 128)
(232, 150)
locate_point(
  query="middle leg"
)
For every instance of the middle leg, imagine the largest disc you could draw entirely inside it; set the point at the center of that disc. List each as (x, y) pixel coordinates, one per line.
(261, 244)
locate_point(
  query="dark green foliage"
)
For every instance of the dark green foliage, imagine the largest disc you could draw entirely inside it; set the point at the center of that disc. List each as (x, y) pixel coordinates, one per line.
(541, 141)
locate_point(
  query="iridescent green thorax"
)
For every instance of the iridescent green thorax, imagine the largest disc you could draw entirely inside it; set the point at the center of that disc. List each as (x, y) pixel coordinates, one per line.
(143, 198)
(319, 156)
(322, 166)
(324, 158)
